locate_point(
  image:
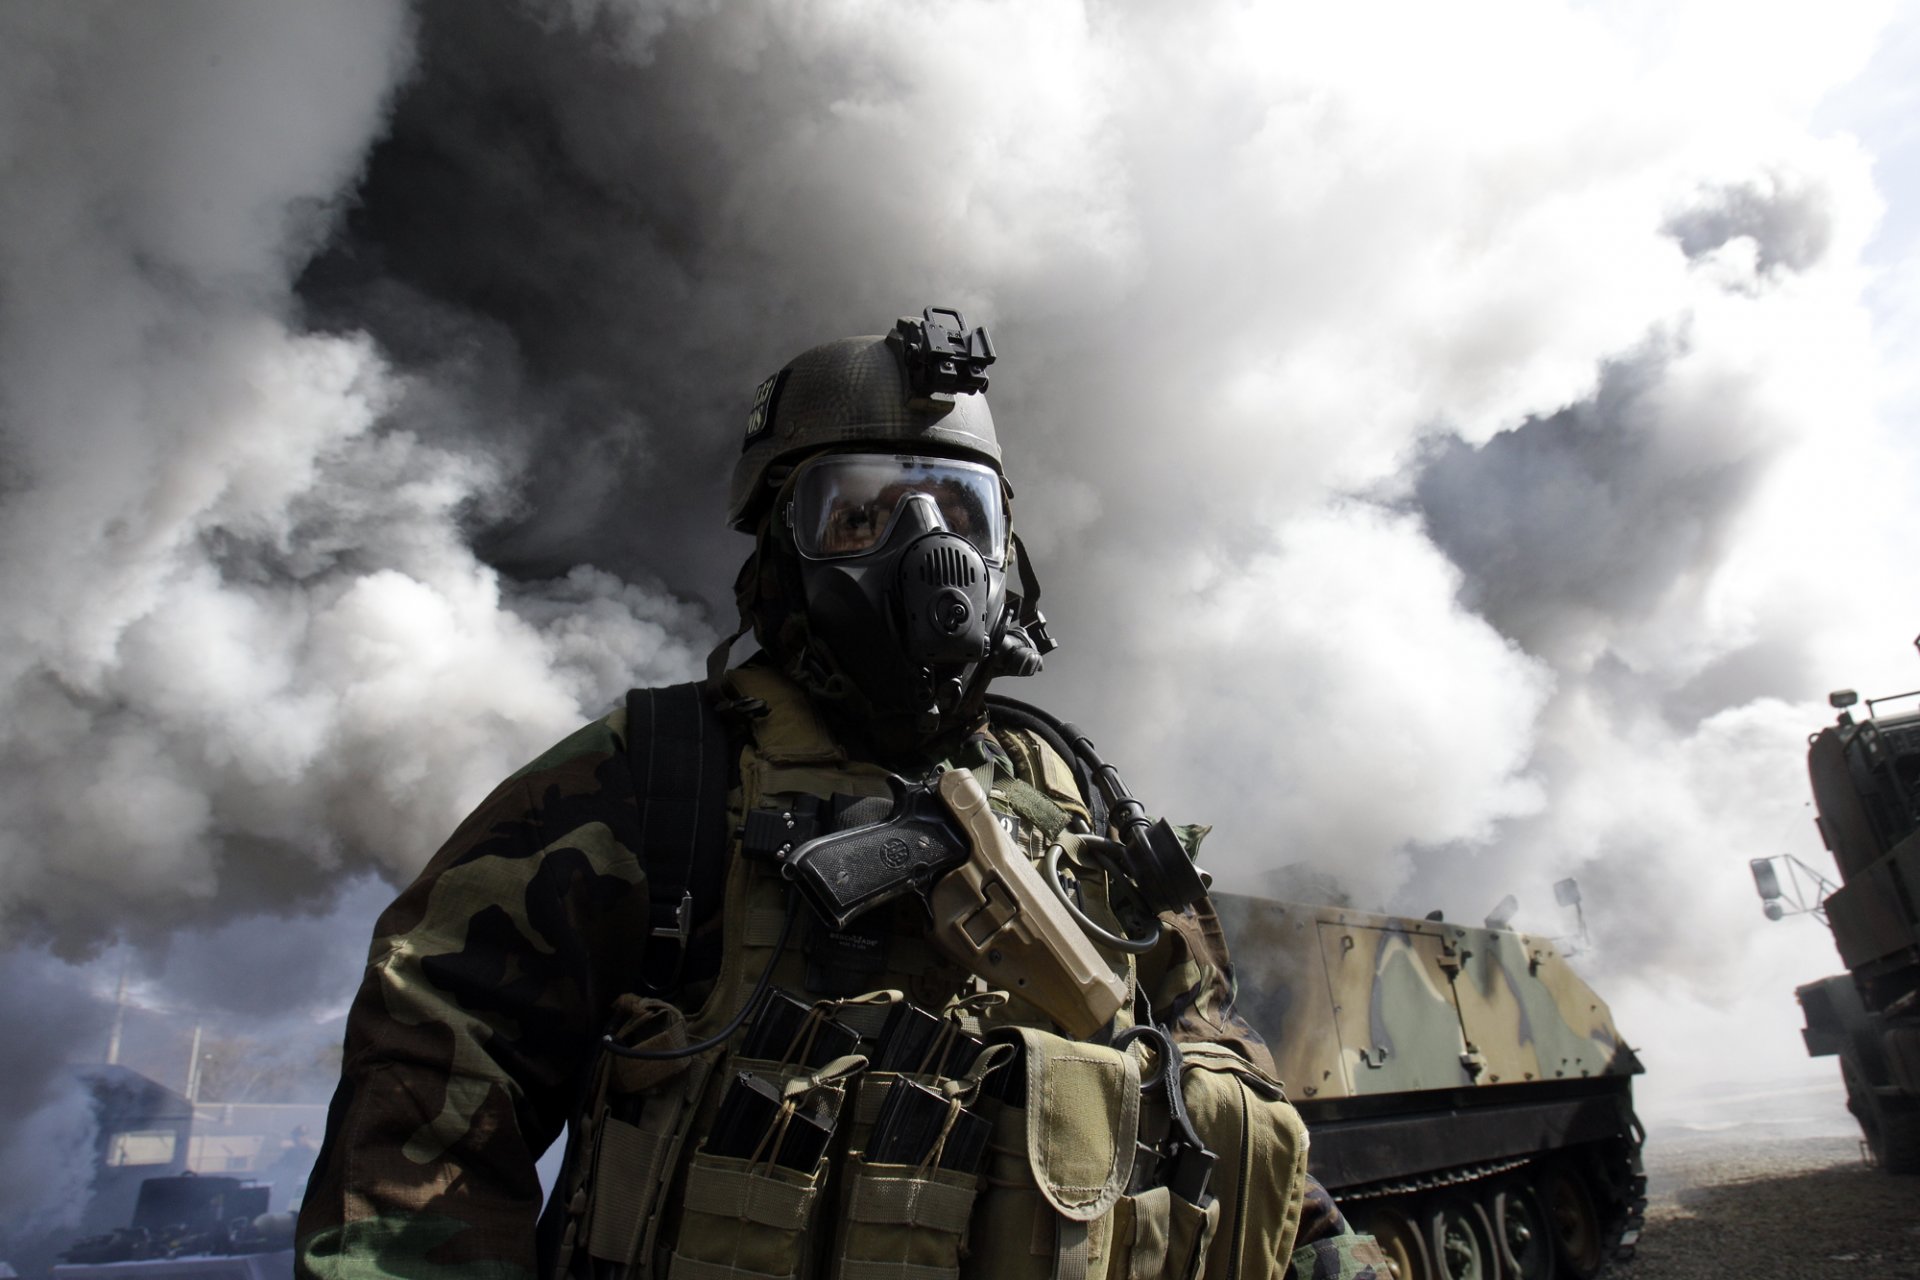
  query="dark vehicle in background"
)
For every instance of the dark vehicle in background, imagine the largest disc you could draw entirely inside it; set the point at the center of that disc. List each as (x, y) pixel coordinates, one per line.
(1866, 788)
(189, 1227)
(147, 1214)
(1469, 1099)
(141, 1130)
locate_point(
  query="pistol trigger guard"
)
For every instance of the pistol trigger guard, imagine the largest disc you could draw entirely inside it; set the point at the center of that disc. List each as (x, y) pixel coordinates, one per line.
(1100, 935)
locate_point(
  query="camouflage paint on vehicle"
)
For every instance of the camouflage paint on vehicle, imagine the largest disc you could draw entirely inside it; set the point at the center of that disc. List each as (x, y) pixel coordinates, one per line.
(1356, 1004)
(1436, 1063)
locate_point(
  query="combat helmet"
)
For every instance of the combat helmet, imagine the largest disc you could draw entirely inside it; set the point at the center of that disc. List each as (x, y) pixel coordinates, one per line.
(914, 390)
(881, 581)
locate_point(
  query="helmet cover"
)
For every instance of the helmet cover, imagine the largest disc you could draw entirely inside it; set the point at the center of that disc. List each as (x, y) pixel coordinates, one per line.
(915, 390)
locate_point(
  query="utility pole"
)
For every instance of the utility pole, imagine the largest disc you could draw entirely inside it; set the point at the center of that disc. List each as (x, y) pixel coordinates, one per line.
(119, 1015)
(193, 1068)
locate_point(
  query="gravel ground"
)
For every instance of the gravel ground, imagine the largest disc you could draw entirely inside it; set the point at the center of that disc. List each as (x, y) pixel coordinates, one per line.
(1800, 1207)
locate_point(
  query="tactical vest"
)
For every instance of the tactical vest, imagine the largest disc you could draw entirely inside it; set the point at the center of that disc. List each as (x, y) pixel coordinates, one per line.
(752, 1159)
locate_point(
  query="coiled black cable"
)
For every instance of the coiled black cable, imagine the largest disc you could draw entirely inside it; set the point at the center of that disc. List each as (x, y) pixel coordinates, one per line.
(719, 1038)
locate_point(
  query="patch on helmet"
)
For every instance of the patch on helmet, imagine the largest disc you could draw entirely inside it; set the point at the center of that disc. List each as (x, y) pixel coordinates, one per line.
(760, 416)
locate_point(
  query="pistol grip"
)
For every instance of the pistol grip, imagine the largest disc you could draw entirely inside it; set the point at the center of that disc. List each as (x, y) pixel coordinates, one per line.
(846, 874)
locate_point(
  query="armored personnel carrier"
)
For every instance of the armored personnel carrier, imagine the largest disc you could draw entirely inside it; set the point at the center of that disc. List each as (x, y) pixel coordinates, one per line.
(1866, 788)
(1469, 1099)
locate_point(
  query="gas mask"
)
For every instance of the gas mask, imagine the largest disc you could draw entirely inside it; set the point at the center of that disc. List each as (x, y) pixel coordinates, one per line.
(903, 563)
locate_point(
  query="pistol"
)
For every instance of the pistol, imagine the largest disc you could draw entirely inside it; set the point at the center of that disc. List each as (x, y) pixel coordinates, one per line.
(993, 912)
(846, 874)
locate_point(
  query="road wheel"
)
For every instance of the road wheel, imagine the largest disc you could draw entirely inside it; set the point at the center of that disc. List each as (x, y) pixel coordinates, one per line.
(1520, 1227)
(1892, 1130)
(1577, 1245)
(1397, 1237)
(1461, 1240)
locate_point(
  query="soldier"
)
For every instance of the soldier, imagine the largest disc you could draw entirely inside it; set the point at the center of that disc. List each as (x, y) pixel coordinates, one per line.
(931, 1068)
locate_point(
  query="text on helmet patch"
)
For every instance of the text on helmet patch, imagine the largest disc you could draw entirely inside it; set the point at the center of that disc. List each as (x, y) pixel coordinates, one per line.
(760, 416)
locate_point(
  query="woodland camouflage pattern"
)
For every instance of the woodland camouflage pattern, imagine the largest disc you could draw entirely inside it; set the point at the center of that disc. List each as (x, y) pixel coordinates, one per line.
(487, 986)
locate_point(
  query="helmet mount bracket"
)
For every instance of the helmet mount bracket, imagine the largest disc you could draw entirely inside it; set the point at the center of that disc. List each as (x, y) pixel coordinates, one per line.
(942, 359)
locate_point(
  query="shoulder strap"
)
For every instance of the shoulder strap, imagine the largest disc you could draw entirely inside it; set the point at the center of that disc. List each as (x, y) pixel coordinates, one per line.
(677, 747)
(1052, 731)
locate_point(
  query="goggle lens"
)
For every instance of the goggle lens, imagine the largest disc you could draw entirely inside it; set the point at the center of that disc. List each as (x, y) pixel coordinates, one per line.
(844, 503)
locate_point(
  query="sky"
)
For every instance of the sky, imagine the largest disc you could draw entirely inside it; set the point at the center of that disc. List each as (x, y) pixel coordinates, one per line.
(1461, 448)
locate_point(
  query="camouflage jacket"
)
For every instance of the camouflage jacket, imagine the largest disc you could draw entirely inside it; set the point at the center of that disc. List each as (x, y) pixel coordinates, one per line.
(488, 985)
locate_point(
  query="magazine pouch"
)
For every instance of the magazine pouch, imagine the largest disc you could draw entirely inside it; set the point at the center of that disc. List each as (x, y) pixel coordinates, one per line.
(749, 1218)
(1057, 1165)
(1140, 1237)
(909, 1221)
(633, 1126)
(904, 1222)
(1190, 1232)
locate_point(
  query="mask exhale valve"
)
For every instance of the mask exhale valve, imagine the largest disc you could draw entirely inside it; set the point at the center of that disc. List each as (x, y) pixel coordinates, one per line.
(942, 586)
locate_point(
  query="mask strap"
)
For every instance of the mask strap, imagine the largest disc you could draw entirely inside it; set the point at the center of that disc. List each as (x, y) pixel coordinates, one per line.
(1029, 616)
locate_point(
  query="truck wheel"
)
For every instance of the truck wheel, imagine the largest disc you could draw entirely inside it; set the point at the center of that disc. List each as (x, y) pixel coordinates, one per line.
(1576, 1225)
(1892, 1130)
(1460, 1240)
(1397, 1237)
(1520, 1227)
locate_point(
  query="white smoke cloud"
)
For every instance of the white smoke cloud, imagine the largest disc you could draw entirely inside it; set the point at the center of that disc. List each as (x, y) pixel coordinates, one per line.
(47, 1128)
(1431, 426)
(261, 647)
(250, 648)
(1252, 690)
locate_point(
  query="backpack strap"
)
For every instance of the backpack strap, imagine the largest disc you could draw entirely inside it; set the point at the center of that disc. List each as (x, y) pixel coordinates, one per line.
(677, 746)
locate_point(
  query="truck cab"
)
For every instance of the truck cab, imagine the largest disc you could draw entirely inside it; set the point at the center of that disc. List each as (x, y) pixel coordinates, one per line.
(1865, 776)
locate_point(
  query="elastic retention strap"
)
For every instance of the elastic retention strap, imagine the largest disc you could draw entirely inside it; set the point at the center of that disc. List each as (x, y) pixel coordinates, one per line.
(677, 747)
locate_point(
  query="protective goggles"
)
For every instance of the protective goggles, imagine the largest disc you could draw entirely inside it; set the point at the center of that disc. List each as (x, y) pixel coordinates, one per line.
(844, 503)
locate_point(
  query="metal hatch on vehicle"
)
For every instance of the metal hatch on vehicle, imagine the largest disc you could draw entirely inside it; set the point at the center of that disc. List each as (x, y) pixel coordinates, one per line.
(1525, 1012)
(1393, 1008)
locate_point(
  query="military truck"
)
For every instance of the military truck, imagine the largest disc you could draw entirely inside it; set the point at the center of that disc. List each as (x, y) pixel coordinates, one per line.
(1469, 1099)
(1866, 790)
